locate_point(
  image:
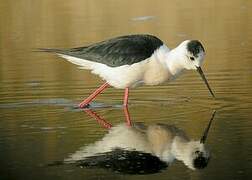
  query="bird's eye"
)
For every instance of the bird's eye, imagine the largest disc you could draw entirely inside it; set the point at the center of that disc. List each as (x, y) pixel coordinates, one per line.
(192, 58)
(197, 152)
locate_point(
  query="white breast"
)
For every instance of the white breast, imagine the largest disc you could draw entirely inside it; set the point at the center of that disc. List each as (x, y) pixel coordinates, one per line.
(123, 76)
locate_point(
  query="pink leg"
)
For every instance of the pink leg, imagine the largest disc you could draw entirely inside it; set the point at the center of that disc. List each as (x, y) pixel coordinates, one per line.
(127, 115)
(126, 97)
(125, 108)
(100, 120)
(93, 95)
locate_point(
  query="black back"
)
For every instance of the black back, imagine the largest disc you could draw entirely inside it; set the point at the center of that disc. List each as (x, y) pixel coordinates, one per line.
(123, 50)
(125, 162)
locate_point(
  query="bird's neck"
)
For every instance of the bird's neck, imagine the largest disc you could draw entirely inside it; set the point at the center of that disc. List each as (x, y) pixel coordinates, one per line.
(175, 149)
(174, 61)
(181, 149)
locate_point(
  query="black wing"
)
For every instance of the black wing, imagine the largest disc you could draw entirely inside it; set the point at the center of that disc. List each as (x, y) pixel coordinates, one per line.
(116, 51)
(125, 162)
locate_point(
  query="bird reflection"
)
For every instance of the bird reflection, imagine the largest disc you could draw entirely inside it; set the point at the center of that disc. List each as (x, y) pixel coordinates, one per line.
(143, 149)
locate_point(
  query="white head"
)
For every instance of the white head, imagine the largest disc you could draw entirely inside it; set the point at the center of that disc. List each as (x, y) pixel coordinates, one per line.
(195, 155)
(189, 55)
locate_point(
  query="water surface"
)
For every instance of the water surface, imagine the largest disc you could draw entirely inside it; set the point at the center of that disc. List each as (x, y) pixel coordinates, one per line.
(39, 123)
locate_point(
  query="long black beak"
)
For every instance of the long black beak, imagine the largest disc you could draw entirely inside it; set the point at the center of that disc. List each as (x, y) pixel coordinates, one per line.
(205, 80)
(204, 137)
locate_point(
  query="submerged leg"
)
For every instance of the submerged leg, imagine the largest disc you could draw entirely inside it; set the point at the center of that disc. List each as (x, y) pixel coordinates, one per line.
(126, 97)
(127, 116)
(125, 107)
(99, 119)
(93, 95)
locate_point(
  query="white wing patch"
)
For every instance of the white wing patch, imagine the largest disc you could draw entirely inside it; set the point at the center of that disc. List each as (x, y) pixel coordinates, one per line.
(84, 64)
(118, 77)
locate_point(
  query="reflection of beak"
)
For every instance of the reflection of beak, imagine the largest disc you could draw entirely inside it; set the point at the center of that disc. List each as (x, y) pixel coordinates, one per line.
(205, 80)
(204, 137)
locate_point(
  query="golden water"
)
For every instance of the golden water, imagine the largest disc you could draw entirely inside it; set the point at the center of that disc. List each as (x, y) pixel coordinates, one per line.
(38, 124)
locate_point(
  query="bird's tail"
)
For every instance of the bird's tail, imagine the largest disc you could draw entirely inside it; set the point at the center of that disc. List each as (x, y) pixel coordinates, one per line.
(82, 63)
(48, 50)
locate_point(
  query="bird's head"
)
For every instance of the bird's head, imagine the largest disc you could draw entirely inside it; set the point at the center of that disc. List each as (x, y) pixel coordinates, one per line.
(191, 56)
(193, 53)
(196, 155)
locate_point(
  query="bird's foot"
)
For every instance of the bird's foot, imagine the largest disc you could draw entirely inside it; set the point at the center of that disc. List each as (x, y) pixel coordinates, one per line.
(125, 105)
(84, 105)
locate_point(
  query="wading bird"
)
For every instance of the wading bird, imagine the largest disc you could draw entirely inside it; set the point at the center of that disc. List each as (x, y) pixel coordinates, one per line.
(129, 61)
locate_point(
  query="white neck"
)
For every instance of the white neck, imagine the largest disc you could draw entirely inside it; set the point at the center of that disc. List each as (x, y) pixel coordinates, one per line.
(181, 150)
(179, 147)
(175, 149)
(174, 61)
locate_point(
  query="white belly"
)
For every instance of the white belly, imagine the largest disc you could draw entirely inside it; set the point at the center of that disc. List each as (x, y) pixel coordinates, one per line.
(149, 72)
(123, 76)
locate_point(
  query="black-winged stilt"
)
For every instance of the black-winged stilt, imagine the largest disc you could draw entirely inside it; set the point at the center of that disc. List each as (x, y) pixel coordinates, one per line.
(129, 61)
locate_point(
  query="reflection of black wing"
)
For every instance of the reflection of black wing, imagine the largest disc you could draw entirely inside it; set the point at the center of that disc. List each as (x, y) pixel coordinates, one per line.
(116, 51)
(125, 162)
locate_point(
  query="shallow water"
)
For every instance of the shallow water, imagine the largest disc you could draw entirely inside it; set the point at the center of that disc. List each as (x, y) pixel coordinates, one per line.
(39, 121)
